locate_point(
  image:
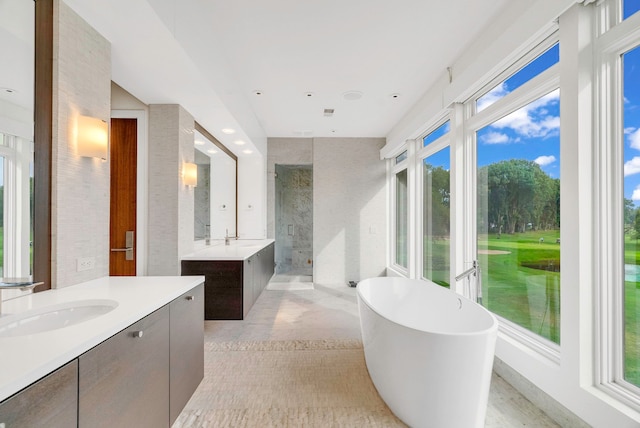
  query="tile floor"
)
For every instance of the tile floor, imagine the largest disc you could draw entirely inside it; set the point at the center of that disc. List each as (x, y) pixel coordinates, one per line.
(331, 312)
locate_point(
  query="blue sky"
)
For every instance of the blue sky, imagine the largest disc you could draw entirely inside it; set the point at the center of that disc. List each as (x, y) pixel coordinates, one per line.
(631, 63)
(533, 131)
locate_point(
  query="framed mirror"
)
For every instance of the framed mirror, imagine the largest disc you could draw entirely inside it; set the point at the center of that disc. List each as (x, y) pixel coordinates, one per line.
(17, 44)
(215, 195)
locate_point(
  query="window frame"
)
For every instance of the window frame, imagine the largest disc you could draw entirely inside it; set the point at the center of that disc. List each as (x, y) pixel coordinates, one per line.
(394, 169)
(537, 87)
(424, 152)
(615, 39)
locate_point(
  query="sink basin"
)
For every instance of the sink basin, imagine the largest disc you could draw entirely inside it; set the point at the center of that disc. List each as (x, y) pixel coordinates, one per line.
(54, 317)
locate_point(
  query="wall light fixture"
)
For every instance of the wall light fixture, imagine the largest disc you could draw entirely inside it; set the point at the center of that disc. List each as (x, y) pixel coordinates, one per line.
(92, 137)
(190, 174)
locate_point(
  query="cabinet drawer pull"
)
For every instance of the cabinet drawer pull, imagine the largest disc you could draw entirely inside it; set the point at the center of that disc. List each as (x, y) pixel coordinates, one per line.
(138, 333)
(190, 298)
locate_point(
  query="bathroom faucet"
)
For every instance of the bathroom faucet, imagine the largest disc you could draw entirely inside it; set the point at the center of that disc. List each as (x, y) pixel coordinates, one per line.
(227, 238)
(21, 284)
(475, 271)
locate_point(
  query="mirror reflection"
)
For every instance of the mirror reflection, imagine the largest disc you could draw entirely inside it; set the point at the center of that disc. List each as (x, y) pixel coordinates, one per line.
(16, 137)
(215, 193)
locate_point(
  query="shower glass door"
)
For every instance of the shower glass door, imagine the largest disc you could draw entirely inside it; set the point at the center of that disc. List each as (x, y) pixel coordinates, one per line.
(294, 220)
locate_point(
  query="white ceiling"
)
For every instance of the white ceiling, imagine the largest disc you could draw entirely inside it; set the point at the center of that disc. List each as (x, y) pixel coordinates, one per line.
(210, 57)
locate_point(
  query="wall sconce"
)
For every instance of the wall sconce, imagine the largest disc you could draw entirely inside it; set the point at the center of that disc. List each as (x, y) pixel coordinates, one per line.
(190, 174)
(92, 137)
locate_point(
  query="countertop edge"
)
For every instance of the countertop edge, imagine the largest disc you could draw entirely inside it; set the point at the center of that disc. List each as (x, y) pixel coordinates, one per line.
(28, 375)
(236, 251)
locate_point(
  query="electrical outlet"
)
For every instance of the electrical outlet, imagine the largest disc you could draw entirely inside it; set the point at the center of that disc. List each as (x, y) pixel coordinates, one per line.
(86, 263)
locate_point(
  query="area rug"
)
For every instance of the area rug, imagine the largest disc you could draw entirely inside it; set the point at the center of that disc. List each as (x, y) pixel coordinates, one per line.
(297, 383)
(290, 286)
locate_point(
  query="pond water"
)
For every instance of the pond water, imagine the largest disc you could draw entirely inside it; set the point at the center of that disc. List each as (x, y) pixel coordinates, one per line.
(632, 273)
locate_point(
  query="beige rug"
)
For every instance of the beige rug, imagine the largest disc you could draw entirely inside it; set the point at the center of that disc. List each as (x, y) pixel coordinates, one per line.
(290, 286)
(299, 383)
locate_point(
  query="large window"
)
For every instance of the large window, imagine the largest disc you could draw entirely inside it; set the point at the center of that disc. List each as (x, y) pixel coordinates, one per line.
(436, 206)
(518, 198)
(631, 127)
(402, 219)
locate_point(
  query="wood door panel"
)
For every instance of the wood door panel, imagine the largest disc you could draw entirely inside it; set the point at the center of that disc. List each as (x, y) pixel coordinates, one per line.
(123, 158)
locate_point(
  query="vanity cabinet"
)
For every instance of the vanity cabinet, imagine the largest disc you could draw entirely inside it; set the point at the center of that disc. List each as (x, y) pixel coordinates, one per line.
(124, 381)
(231, 287)
(186, 349)
(51, 402)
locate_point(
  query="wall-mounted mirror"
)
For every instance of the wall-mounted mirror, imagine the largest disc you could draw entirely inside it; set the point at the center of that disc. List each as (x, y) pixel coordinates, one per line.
(17, 41)
(215, 193)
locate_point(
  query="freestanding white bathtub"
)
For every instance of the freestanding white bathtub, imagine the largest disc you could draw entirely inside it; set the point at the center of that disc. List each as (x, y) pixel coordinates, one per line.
(428, 350)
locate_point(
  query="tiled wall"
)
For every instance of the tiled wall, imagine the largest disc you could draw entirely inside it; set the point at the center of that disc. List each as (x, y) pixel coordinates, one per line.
(80, 186)
(349, 203)
(171, 210)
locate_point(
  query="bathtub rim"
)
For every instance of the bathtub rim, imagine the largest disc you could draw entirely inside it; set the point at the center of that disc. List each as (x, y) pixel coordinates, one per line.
(493, 329)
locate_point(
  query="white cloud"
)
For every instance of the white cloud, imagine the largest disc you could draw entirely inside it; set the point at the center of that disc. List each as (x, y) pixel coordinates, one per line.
(632, 167)
(629, 130)
(636, 194)
(634, 139)
(545, 160)
(494, 138)
(492, 96)
(528, 122)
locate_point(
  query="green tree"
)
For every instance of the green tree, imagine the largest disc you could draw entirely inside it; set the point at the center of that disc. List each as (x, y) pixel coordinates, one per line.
(517, 193)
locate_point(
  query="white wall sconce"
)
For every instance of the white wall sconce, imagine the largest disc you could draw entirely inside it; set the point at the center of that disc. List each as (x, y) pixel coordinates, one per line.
(92, 137)
(190, 174)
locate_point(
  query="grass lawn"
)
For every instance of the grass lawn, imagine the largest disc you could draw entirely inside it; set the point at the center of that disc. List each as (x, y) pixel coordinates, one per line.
(521, 279)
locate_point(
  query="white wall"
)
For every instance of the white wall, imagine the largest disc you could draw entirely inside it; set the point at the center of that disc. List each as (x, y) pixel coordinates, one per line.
(349, 209)
(80, 186)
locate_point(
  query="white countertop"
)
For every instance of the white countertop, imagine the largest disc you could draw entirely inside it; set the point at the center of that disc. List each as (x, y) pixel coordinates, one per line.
(25, 359)
(240, 249)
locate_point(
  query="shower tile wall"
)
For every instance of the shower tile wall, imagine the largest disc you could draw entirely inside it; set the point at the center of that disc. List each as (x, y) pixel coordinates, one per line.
(294, 219)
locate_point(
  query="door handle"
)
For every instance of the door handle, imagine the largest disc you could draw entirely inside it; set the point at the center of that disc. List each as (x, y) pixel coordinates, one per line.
(128, 237)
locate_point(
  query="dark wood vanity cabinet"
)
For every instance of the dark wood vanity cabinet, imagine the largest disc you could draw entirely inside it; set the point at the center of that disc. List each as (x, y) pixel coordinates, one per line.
(186, 349)
(232, 286)
(51, 402)
(144, 375)
(124, 381)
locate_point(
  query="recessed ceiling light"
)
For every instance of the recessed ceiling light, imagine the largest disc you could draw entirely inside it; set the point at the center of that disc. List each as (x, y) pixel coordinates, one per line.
(257, 92)
(239, 142)
(333, 131)
(247, 151)
(308, 94)
(228, 131)
(8, 90)
(352, 95)
(395, 96)
(199, 143)
(213, 152)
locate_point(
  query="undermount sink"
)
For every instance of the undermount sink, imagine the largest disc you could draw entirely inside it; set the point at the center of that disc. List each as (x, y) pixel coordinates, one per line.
(54, 317)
